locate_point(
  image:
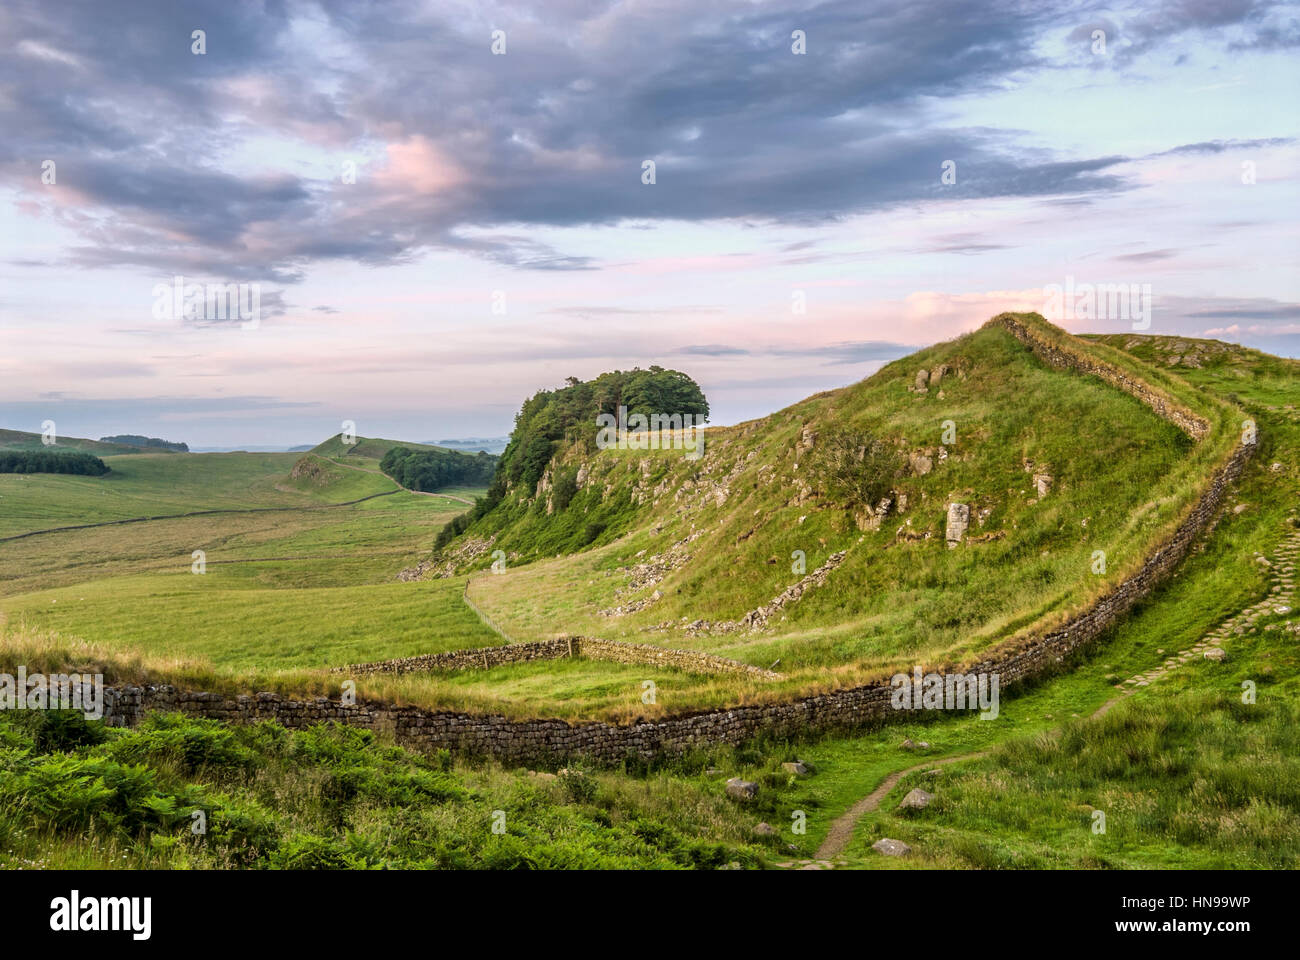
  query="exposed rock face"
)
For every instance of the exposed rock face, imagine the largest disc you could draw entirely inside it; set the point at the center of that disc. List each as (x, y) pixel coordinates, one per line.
(650, 573)
(937, 374)
(311, 468)
(1043, 484)
(796, 767)
(417, 572)
(807, 440)
(920, 384)
(869, 519)
(469, 549)
(891, 848)
(958, 521)
(920, 464)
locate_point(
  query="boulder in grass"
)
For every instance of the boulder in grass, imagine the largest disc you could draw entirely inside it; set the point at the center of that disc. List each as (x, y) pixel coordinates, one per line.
(916, 799)
(765, 830)
(796, 767)
(891, 848)
(739, 789)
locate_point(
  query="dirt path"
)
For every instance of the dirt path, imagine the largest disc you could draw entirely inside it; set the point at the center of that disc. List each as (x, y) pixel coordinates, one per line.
(841, 831)
(1280, 596)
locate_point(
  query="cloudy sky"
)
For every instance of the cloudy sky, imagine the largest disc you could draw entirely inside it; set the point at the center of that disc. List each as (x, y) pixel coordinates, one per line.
(435, 230)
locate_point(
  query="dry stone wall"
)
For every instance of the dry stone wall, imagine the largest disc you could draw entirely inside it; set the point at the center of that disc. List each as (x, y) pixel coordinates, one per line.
(593, 648)
(1060, 356)
(528, 741)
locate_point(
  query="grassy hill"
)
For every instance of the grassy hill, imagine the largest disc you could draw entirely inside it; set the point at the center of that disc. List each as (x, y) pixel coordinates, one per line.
(23, 440)
(368, 448)
(681, 551)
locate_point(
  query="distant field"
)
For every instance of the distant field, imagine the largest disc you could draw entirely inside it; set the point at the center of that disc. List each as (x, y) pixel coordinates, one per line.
(27, 440)
(153, 484)
(232, 619)
(302, 584)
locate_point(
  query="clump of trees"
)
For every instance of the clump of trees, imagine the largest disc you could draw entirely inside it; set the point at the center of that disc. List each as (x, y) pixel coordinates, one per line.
(151, 443)
(45, 461)
(550, 417)
(430, 470)
(855, 466)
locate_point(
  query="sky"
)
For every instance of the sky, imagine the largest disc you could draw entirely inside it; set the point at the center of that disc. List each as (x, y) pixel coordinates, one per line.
(440, 208)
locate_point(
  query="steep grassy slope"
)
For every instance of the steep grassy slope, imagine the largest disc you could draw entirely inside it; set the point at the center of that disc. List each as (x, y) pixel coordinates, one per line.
(710, 540)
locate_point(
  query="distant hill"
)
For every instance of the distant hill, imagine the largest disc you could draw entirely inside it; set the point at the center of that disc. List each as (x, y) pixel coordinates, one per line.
(415, 466)
(373, 447)
(23, 440)
(473, 444)
(150, 443)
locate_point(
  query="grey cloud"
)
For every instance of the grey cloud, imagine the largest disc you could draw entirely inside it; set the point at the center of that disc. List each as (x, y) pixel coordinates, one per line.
(554, 133)
(1148, 256)
(1223, 146)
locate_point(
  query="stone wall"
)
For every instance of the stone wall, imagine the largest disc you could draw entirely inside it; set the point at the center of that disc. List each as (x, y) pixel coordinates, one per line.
(1059, 355)
(527, 741)
(593, 648)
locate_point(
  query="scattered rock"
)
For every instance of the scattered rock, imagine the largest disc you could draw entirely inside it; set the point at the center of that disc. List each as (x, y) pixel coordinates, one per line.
(958, 520)
(1215, 653)
(891, 848)
(765, 830)
(739, 789)
(796, 767)
(916, 799)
